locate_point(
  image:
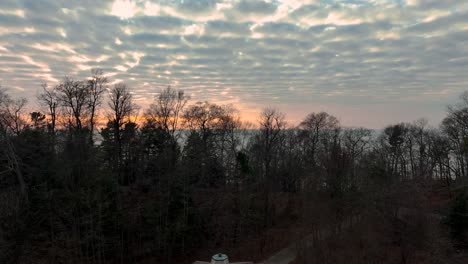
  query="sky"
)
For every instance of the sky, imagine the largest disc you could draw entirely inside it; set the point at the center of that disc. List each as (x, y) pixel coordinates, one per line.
(370, 63)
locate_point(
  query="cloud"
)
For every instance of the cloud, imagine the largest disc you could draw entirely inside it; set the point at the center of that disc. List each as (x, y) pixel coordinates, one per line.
(124, 9)
(297, 54)
(255, 7)
(194, 29)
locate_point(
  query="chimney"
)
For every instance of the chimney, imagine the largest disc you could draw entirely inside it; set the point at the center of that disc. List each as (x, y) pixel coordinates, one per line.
(219, 258)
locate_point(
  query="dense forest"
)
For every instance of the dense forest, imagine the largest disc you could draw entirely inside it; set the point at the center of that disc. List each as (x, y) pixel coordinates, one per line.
(91, 177)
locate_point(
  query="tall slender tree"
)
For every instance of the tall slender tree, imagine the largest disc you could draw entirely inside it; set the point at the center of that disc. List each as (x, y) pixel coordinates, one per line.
(121, 108)
(96, 86)
(49, 99)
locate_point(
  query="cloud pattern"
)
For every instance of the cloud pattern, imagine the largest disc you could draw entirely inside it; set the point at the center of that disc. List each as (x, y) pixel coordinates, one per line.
(369, 62)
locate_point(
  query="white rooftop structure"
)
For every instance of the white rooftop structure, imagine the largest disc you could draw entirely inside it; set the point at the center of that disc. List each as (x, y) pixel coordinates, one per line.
(220, 258)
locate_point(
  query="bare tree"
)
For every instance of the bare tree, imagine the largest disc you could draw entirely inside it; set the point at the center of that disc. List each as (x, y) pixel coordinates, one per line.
(356, 142)
(455, 126)
(4, 101)
(271, 125)
(439, 151)
(228, 140)
(96, 87)
(121, 105)
(10, 119)
(121, 108)
(459, 111)
(74, 98)
(313, 127)
(166, 109)
(13, 162)
(12, 114)
(418, 140)
(49, 99)
(203, 117)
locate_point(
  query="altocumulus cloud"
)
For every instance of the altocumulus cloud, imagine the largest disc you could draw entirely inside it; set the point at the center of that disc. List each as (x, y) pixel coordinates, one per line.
(368, 62)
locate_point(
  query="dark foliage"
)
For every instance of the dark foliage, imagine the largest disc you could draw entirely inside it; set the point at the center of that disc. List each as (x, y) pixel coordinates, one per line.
(187, 179)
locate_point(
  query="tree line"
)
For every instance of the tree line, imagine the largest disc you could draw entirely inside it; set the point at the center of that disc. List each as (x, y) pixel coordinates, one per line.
(180, 176)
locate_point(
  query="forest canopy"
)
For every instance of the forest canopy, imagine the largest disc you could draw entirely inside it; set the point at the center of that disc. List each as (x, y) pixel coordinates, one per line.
(181, 179)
